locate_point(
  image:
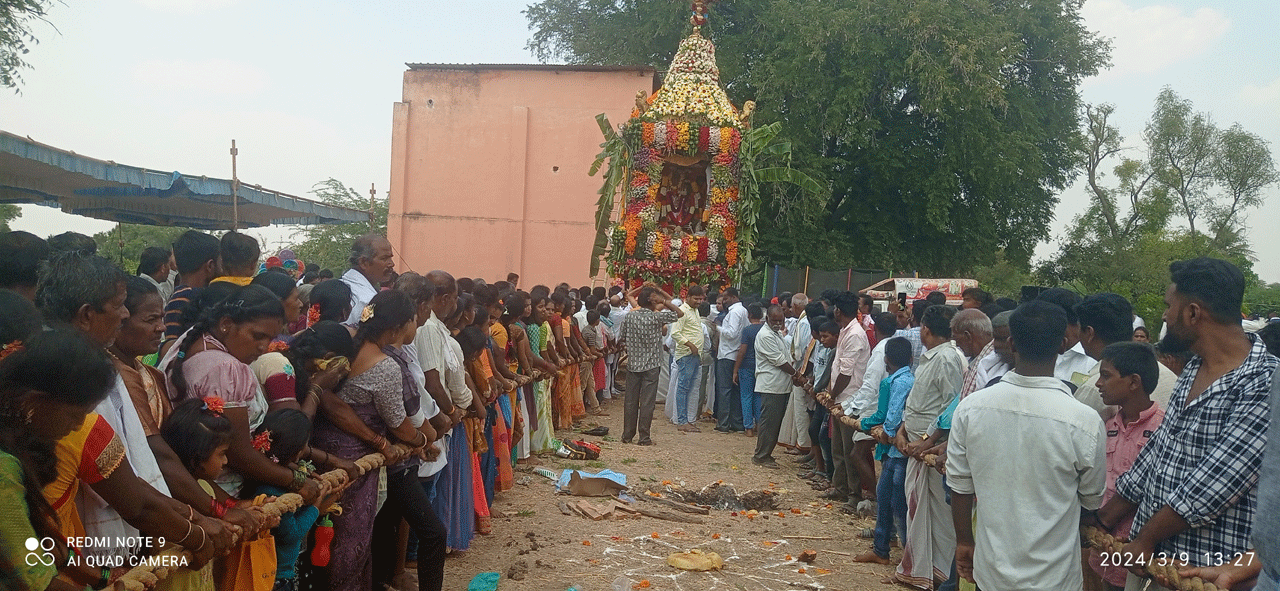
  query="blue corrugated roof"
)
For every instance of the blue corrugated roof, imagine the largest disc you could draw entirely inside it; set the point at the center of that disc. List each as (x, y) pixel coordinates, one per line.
(31, 172)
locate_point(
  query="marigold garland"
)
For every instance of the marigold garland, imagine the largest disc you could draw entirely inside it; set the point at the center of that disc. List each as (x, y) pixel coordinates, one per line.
(690, 116)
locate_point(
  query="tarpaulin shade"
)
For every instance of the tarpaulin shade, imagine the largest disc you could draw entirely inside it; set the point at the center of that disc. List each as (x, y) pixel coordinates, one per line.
(31, 172)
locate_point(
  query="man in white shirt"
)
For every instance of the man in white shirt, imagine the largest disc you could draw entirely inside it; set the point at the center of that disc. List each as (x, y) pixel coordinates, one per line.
(1025, 541)
(930, 544)
(728, 401)
(371, 265)
(866, 401)
(441, 362)
(1000, 361)
(775, 377)
(153, 265)
(1073, 364)
(1103, 320)
(795, 424)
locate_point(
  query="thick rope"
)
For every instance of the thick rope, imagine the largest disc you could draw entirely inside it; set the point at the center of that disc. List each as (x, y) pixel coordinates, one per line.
(142, 577)
(1105, 542)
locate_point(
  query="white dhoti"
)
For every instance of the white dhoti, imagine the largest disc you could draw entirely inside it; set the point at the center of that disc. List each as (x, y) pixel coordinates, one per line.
(795, 423)
(930, 545)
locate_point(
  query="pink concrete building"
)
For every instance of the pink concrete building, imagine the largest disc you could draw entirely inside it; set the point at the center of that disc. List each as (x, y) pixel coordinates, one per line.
(489, 167)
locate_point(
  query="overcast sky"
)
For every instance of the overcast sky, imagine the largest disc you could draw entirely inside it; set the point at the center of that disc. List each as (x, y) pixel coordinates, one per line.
(306, 88)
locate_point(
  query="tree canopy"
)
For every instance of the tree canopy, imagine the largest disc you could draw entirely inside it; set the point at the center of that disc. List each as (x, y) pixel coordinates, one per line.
(15, 34)
(125, 243)
(1186, 194)
(944, 129)
(8, 213)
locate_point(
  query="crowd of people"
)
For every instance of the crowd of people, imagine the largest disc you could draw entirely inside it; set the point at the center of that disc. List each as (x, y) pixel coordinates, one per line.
(177, 402)
(1001, 428)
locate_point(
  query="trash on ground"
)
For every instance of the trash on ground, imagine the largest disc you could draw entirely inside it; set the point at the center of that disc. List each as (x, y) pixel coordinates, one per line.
(605, 483)
(718, 495)
(545, 472)
(578, 450)
(696, 560)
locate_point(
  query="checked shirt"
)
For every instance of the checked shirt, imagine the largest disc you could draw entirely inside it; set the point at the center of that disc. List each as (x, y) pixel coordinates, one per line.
(1205, 459)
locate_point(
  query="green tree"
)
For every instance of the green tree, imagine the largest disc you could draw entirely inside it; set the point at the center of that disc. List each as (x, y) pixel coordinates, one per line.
(329, 245)
(16, 17)
(8, 213)
(125, 243)
(1263, 298)
(1181, 145)
(941, 127)
(1003, 278)
(1191, 172)
(1243, 167)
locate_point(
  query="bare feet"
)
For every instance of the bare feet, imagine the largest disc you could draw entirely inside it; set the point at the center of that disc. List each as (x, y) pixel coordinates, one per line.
(871, 557)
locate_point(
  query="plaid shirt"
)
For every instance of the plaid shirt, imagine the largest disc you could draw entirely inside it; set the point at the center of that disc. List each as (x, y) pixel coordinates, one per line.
(971, 384)
(642, 335)
(917, 346)
(1204, 460)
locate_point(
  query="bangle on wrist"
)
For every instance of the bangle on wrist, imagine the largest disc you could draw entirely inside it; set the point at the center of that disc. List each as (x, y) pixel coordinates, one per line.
(190, 528)
(204, 538)
(104, 579)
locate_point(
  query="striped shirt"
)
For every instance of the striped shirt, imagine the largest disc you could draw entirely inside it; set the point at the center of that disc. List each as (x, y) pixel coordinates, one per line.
(176, 309)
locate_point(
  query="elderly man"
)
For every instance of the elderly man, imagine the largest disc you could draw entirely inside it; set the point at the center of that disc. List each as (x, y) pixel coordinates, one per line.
(1194, 486)
(371, 265)
(87, 293)
(1000, 361)
(687, 334)
(795, 423)
(971, 331)
(775, 377)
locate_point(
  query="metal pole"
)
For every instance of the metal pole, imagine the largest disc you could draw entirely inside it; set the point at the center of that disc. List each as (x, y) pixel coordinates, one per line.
(235, 189)
(805, 287)
(373, 191)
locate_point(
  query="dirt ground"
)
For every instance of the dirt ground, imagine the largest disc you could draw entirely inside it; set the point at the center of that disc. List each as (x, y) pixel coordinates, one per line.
(556, 552)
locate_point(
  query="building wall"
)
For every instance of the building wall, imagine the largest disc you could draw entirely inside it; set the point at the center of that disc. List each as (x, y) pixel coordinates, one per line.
(489, 168)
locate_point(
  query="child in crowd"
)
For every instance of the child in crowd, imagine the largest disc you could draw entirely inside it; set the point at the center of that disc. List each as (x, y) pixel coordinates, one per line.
(1127, 376)
(283, 438)
(891, 512)
(200, 436)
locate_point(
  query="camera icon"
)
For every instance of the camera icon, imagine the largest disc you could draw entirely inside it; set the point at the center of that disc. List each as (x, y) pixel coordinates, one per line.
(45, 547)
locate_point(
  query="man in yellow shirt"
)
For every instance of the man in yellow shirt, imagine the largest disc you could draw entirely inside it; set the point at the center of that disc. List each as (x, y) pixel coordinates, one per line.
(687, 334)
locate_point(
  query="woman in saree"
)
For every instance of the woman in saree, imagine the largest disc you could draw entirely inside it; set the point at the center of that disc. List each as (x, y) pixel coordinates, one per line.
(375, 392)
(539, 333)
(567, 389)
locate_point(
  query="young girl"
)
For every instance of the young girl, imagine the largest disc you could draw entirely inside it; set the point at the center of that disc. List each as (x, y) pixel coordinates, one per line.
(283, 437)
(200, 436)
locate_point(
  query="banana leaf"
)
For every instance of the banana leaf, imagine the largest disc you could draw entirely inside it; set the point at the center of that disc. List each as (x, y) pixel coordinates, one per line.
(618, 154)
